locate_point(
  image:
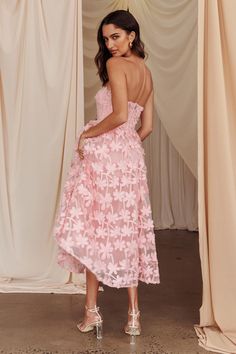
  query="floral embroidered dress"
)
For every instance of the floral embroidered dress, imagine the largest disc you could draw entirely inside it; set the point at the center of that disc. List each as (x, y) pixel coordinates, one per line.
(104, 221)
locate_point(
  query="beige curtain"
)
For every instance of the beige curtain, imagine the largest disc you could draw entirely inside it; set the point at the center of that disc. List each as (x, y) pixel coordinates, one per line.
(169, 32)
(41, 96)
(217, 174)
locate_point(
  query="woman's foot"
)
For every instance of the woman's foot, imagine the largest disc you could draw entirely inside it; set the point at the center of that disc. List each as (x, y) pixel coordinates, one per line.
(133, 326)
(92, 319)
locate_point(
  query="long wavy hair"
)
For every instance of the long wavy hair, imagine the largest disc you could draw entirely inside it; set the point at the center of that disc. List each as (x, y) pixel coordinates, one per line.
(121, 19)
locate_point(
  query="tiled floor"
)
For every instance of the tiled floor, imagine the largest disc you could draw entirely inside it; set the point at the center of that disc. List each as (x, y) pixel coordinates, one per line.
(46, 323)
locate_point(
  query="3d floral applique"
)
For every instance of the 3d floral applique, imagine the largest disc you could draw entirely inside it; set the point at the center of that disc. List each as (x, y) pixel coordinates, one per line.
(104, 221)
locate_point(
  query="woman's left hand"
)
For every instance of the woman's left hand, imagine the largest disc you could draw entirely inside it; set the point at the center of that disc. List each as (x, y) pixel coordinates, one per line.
(80, 148)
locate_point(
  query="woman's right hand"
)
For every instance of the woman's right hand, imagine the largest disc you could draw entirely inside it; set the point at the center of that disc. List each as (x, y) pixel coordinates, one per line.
(81, 138)
(80, 148)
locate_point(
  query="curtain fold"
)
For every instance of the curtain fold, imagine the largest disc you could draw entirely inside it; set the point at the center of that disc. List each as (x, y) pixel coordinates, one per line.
(42, 110)
(169, 32)
(217, 174)
(41, 96)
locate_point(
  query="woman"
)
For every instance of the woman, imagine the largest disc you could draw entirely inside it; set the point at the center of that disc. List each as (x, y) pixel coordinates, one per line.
(105, 225)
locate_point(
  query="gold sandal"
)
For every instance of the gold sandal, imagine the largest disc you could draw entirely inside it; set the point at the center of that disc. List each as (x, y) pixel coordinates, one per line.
(95, 323)
(133, 327)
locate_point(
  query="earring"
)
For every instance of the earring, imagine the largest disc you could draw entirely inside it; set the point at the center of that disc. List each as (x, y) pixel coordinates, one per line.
(130, 44)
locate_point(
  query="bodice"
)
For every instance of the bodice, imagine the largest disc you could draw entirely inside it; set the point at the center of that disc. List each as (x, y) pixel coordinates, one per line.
(104, 107)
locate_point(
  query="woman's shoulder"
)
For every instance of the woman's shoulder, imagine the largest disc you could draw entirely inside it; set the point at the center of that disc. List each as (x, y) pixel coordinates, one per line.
(127, 66)
(115, 61)
(125, 63)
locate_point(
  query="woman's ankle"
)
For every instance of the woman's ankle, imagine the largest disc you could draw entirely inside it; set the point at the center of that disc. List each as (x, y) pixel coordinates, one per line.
(133, 309)
(90, 306)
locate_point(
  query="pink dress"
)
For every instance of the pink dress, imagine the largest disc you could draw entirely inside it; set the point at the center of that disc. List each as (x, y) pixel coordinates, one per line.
(104, 221)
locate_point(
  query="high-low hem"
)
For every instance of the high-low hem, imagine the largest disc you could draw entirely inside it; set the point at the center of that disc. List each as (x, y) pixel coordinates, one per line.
(105, 220)
(83, 266)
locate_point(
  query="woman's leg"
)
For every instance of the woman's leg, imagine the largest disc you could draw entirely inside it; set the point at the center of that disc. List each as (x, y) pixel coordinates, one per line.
(91, 289)
(133, 298)
(92, 285)
(133, 309)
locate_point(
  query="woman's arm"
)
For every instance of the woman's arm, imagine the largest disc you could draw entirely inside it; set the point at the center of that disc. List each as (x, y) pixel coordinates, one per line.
(146, 118)
(117, 81)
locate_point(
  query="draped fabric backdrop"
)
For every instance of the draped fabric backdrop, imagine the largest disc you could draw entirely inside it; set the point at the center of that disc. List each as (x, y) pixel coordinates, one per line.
(169, 32)
(217, 174)
(41, 109)
(41, 95)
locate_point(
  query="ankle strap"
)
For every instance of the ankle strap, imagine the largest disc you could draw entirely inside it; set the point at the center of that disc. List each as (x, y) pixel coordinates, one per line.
(133, 313)
(95, 309)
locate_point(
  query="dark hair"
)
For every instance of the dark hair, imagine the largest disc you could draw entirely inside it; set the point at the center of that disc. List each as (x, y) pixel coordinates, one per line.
(121, 19)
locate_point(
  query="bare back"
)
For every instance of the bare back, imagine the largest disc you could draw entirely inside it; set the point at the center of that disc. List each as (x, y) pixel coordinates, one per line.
(139, 81)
